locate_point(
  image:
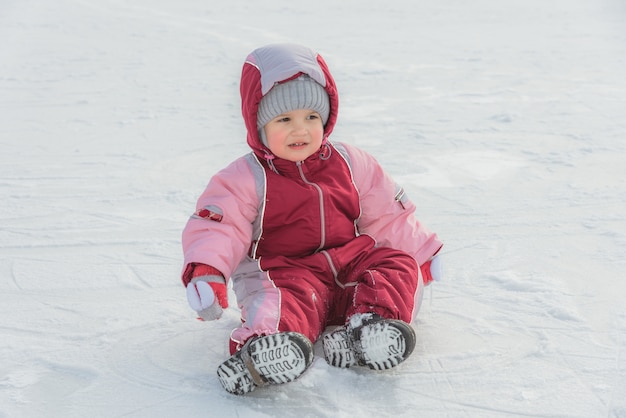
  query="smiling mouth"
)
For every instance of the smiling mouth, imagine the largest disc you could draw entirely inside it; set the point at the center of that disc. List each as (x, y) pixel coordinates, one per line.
(298, 144)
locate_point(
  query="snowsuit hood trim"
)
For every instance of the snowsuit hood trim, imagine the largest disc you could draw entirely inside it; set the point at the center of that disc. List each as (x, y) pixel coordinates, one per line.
(273, 64)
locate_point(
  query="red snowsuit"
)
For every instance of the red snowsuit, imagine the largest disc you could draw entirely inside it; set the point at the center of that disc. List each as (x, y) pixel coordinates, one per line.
(307, 244)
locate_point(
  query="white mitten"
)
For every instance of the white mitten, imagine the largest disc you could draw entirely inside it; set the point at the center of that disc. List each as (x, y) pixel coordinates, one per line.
(436, 268)
(207, 296)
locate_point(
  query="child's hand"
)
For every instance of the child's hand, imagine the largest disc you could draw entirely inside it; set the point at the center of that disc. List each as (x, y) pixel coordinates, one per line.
(207, 296)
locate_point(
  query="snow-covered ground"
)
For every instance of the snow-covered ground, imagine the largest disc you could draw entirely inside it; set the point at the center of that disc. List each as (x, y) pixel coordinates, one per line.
(504, 120)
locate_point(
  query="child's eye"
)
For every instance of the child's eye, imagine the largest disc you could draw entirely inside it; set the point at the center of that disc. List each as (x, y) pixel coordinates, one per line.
(285, 119)
(314, 116)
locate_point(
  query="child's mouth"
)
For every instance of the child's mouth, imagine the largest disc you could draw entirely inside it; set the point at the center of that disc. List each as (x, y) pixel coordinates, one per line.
(298, 145)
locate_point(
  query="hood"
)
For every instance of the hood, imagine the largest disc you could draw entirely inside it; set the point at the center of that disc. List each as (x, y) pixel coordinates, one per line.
(276, 63)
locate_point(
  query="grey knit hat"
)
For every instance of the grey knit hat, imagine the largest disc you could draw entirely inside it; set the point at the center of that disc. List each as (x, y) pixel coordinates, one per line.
(301, 93)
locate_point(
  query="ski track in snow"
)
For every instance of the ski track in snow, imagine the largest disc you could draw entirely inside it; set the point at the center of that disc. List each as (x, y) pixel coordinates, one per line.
(504, 122)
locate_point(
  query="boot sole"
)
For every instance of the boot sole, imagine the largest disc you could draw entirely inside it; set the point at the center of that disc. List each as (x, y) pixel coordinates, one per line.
(268, 360)
(385, 344)
(379, 345)
(338, 351)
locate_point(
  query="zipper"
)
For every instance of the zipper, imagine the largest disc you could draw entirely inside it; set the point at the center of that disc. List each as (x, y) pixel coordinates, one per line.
(321, 199)
(400, 196)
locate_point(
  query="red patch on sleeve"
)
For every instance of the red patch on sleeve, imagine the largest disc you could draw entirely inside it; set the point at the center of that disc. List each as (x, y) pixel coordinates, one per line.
(210, 215)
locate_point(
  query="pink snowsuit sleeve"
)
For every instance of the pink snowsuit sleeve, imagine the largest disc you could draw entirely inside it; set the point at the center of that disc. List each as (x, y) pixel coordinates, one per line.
(219, 233)
(386, 213)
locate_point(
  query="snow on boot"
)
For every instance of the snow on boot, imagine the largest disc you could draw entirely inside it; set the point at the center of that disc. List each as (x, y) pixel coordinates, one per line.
(266, 360)
(369, 340)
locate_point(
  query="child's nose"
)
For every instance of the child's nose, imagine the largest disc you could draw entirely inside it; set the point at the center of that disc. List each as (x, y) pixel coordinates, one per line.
(300, 127)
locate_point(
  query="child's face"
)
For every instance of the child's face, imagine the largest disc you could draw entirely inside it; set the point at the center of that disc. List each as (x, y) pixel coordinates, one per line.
(295, 135)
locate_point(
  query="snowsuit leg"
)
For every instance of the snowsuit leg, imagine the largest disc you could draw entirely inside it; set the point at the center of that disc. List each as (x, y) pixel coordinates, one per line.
(377, 279)
(305, 286)
(288, 294)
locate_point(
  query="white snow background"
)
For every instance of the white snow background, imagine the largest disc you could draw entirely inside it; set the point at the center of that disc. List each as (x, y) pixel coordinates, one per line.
(504, 120)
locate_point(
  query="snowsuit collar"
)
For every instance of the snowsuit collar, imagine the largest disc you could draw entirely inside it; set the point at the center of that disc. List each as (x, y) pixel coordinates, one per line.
(292, 169)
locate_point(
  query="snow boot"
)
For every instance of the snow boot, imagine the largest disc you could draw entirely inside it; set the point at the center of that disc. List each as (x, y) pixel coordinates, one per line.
(369, 340)
(266, 360)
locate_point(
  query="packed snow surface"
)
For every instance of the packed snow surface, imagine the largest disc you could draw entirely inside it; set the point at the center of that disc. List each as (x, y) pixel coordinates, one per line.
(504, 121)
